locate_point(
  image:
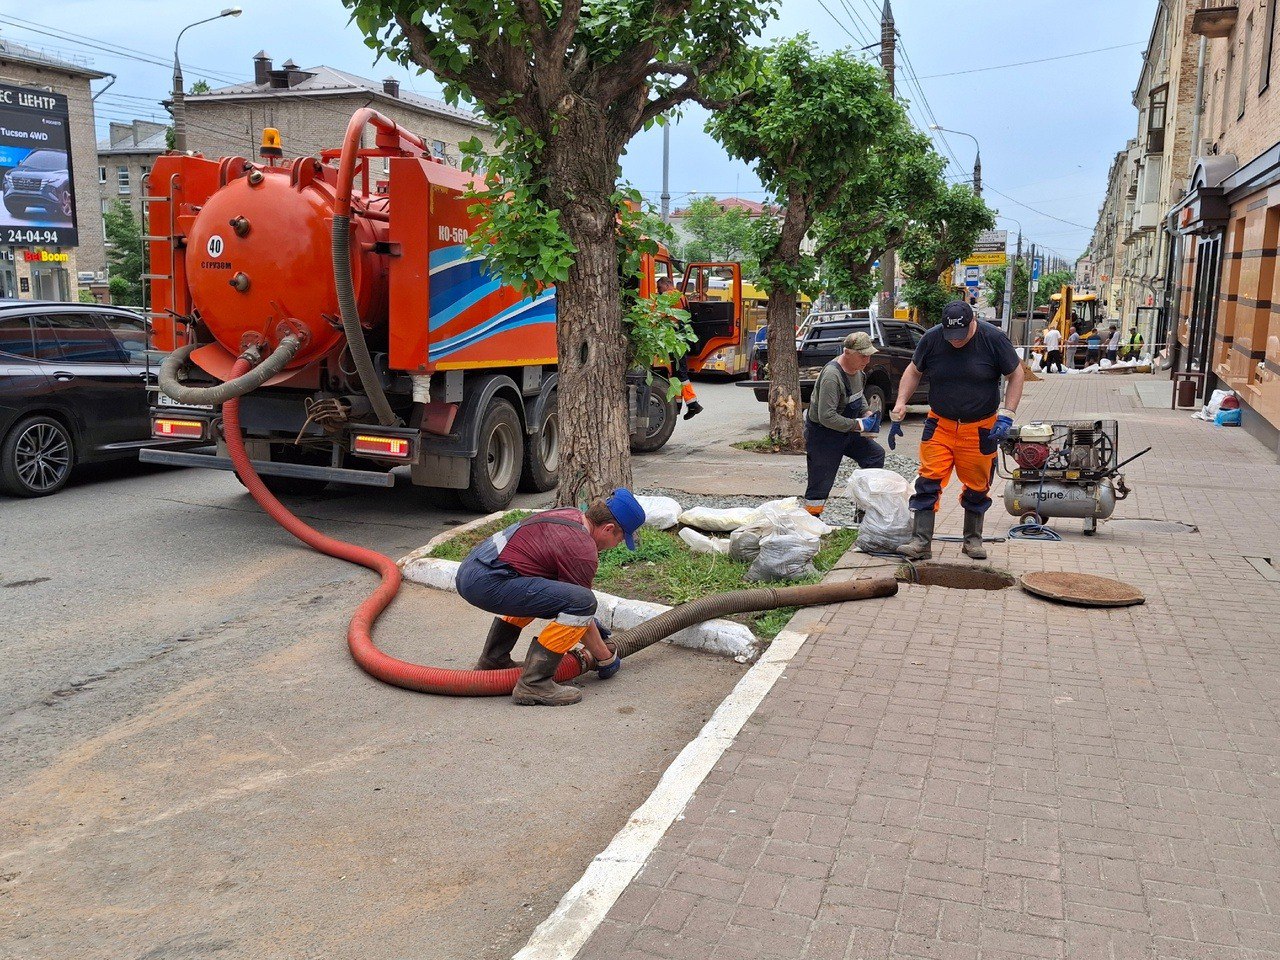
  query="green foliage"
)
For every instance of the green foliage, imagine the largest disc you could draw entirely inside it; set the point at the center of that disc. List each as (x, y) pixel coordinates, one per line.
(1053, 282)
(200, 86)
(124, 254)
(940, 234)
(1050, 284)
(86, 296)
(650, 225)
(719, 236)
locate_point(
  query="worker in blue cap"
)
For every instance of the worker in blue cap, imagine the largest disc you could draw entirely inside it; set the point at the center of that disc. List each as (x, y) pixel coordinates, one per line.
(542, 568)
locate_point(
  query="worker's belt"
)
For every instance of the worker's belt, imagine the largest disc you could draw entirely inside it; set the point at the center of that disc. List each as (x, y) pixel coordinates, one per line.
(941, 419)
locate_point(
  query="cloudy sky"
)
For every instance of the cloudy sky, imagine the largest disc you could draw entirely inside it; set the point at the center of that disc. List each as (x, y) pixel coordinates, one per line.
(1048, 130)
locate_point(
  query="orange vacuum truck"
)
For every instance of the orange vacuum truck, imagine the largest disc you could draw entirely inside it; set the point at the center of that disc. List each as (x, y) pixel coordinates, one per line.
(378, 339)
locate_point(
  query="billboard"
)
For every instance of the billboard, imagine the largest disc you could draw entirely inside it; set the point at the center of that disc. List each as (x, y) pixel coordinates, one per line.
(989, 249)
(36, 185)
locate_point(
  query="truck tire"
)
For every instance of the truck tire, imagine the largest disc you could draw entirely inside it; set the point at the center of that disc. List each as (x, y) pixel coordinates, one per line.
(542, 452)
(877, 400)
(662, 424)
(495, 470)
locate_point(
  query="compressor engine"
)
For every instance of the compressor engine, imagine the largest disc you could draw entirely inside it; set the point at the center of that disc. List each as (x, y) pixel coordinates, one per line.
(1063, 469)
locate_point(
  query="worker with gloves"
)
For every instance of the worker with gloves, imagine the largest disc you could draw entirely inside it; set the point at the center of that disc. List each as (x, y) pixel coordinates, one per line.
(837, 423)
(681, 372)
(543, 568)
(964, 360)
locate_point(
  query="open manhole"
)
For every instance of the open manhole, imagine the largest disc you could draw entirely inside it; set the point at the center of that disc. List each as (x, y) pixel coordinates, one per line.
(1138, 525)
(957, 576)
(1081, 589)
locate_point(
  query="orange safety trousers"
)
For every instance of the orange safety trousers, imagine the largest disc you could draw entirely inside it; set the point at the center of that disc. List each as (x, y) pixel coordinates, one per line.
(965, 448)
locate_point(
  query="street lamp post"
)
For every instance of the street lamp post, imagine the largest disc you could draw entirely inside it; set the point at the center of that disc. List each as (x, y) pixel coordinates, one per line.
(179, 95)
(977, 156)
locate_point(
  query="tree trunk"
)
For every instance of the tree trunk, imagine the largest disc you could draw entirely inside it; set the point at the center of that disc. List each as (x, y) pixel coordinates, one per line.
(786, 429)
(591, 345)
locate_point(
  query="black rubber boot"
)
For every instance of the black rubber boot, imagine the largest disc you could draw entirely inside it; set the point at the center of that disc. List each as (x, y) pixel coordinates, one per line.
(695, 408)
(498, 646)
(973, 548)
(536, 688)
(920, 546)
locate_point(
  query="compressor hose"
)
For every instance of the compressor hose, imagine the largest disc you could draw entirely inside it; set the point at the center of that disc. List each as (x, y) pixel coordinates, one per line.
(493, 683)
(239, 384)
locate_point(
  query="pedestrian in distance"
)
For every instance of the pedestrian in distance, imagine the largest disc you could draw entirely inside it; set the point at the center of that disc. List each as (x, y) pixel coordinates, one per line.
(1113, 344)
(1053, 344)
(964, 360)
(837, 424)
(1134, 349)
(543, 568)
(681, 373)
(1073, 347)
(1093, 347)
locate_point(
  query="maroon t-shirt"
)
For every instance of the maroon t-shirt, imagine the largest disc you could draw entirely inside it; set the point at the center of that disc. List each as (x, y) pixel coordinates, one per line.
(553, 550)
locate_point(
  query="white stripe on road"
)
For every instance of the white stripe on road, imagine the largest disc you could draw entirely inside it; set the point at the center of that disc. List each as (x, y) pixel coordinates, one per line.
(581, 910)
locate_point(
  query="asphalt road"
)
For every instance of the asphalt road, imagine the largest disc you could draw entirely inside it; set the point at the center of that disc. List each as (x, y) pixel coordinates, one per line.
(192, 765)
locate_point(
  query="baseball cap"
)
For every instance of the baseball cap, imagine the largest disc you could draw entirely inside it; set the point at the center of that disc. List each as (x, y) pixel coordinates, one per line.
(627, 511)
(956, 317)
(860, 343)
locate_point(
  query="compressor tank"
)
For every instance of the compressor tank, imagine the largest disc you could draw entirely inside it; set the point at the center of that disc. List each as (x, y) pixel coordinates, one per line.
(1053, 498)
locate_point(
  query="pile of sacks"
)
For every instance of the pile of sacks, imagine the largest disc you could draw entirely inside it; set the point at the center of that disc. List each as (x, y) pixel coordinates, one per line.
(779, 539)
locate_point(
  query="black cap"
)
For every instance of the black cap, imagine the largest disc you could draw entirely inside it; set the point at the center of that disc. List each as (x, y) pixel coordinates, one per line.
(956, 317)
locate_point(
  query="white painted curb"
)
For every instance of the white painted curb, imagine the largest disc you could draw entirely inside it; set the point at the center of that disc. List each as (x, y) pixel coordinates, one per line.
(722, 637)
(581, 910)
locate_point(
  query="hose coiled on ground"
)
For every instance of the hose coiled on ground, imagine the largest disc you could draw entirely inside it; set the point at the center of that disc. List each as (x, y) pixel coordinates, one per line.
(237, 386)
(345, 287)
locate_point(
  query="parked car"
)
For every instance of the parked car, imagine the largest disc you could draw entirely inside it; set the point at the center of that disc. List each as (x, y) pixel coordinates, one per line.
(73, 390)
(41, 179)
(820, 340)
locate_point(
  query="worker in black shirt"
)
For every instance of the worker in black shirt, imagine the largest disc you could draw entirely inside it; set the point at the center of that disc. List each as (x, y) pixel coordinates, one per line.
(964, 360)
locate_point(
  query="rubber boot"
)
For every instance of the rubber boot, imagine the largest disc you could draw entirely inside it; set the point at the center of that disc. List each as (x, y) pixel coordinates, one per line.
(973, 548)
(536, 688)
(920, 546)
(498, 646)
(694, 409)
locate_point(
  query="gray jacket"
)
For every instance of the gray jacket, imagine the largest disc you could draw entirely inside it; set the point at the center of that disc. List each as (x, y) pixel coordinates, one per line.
(831, 397)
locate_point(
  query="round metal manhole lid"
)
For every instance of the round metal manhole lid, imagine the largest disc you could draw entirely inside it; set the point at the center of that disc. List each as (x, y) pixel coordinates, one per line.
(1082, 589)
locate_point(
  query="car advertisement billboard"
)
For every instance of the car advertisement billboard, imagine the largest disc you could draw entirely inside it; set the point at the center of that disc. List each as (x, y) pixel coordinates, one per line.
(37, 195)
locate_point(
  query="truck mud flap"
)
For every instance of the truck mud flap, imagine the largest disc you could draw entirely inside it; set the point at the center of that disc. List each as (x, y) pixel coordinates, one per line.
(182, 458)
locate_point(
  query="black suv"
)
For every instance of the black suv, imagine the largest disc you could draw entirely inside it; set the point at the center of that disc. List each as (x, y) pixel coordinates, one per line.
(73, 389)
(820, 340)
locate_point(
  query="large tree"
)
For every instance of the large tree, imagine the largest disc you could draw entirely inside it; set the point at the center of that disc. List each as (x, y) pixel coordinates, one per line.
(124, 254)
(937, 237)
(566, 86)
(808, 127)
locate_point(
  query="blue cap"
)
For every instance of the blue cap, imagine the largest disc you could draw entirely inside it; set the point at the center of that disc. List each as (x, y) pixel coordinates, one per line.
(627, 511)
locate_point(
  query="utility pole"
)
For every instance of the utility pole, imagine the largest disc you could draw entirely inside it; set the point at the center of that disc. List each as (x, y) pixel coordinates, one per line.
(1031, 297)
(666, 171)
(888, 260)
(977, 175)
(1007, 312)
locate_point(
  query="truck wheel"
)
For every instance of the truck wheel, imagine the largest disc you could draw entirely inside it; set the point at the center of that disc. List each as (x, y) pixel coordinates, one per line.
(542, 452)
(495, 470)
(877, 402)
(662, 420)
(36, 458)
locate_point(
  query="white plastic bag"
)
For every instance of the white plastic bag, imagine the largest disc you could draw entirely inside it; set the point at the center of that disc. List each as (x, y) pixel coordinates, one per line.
(699, 543)
(787, 514)
(715, 520)
(1210, 409)
(882, 496)
(661, 513)
(784, 556)
(744, 543)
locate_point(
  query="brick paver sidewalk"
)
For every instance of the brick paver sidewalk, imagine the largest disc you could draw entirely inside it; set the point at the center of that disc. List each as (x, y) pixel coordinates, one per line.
(971, 774)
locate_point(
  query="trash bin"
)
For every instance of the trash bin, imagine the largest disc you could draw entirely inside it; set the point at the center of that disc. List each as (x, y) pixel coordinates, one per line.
(1186, 393)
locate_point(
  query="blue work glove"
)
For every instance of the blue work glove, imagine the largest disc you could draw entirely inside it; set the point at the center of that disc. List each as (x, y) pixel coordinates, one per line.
(607, 668)
(869, 424)
(1004, 423)
(895, 432)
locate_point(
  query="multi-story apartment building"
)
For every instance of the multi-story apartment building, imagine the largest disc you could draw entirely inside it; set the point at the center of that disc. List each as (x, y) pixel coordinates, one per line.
(38, 270)
(125, 160)
(1228, 224)
(311, 108)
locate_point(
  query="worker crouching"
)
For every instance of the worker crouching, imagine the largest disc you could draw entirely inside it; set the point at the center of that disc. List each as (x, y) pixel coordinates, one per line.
(542, 568)
(964, 360)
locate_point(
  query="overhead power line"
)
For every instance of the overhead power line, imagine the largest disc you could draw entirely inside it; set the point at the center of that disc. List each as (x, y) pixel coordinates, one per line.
(1070, 223)
(1023, 63)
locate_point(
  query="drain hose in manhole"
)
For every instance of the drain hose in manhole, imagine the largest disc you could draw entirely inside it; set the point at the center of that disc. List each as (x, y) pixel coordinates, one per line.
(490, 683)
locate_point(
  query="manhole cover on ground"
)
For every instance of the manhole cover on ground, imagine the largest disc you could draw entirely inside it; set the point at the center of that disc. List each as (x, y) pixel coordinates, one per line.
(957, 576)
(1082, 589)
(1152, 526)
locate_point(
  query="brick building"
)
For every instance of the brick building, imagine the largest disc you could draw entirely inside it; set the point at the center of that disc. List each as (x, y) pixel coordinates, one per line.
(52, 272)
(125, 159)
(311, 108)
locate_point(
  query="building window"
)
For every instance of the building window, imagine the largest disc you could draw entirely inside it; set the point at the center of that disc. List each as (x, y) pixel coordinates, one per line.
(122, 179)
(1244, 65)
(1268, 45)
(1156, 119)
(102, 174)
(437, 149)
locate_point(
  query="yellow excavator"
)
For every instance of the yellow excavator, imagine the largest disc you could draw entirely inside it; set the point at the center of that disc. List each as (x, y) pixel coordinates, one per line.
(1067, 302)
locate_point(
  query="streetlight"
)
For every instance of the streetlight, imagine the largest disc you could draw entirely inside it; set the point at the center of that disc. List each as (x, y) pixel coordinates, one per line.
(179, 96)
(977, 157)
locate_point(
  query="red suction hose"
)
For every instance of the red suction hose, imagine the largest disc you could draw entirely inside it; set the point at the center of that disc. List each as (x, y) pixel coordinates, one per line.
(399, 673)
